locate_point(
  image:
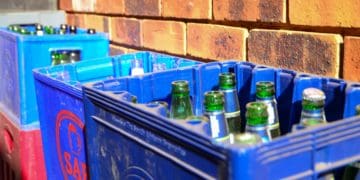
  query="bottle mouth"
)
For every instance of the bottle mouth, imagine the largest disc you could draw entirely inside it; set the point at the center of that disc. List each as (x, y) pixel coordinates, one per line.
(265, 89)
(181, 86)
(313, 94)
(214, 101)
(227, 80)
(256, 114)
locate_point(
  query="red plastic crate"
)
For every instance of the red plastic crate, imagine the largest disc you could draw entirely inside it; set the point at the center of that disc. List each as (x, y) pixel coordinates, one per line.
(21, 152)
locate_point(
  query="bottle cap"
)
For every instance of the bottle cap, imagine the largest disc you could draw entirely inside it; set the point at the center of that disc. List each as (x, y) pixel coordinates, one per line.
(265, 89)
(227, 81)
(91, 31)
(313, 94)
(313, 99)
(256, 114)
(39, 27)
(63, 26)
(214, 101)
(73, 29)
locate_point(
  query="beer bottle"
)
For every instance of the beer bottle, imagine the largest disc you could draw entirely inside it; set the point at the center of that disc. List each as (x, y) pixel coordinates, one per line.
(91, 31)
(257, 120)
(227, 85)
(39, 30)
(49, 30)
(265, 93)
(63, 29)
(73, 29)
(137, 67)
(313, 101)
(181, 107)
(214, 111)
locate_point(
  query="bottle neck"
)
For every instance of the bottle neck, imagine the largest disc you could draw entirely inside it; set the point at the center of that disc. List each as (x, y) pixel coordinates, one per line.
(265, 98)
(181, 107)
(313, 114)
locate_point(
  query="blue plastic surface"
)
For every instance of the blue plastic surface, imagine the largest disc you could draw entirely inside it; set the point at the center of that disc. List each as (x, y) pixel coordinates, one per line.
(19, 54)
(62, 118)
(137, 140)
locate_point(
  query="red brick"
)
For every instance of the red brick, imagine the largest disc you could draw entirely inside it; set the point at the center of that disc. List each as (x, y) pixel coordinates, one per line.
(117, 50)
(351, 68)
(190, 9)
(76, 19)
(110, 6)
(126, 31)
(167, 36)
(325, 12)
(100, 23)
(315, 53)
(83, 5)
(216, 42)
(65, 5)
(250, 10)
(143, 7)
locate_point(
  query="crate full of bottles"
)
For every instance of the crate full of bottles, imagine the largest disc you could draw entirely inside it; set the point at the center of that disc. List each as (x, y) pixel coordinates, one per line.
(64, 122)
(24, 47)
(223, 120)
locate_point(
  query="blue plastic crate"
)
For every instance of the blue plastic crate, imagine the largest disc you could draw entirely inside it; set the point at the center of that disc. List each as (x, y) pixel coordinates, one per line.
(19, 54)
(62, 118)
(137, 140)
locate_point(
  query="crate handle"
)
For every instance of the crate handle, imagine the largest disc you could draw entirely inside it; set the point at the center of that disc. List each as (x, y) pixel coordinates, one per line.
(8, 140)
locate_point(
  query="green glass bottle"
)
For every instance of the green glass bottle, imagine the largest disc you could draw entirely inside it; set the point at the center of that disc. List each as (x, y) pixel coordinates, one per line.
(313, 101)
(227, 85)
(49, 30)
(181, 107)
(11, 28)
(24, 31)
(16, 29)
(265, 93)
(55, 57)
(64, 57)
(257, 120)
(214, 111)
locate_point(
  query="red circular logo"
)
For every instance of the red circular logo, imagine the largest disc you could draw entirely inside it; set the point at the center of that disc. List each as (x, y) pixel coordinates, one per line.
(70, 145)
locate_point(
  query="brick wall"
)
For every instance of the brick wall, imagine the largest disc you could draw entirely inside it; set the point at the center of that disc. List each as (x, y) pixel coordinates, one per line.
(317, 37)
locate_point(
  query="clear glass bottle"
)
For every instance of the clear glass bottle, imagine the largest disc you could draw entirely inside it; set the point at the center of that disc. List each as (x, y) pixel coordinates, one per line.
(257, 120)
(227, 85)
(181, 107)
(214, 111)
(137, 67)
(265, 93)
